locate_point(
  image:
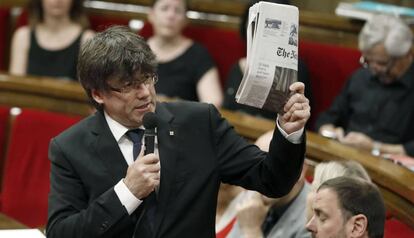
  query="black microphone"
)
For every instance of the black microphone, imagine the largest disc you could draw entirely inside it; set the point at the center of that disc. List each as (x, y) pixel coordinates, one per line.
(150, 123)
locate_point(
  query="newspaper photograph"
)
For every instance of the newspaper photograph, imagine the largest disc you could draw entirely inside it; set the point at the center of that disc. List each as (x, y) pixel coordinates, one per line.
(272, 56)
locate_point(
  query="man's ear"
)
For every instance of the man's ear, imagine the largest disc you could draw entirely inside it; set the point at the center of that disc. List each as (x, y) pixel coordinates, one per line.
(97, 96)
(358, 226)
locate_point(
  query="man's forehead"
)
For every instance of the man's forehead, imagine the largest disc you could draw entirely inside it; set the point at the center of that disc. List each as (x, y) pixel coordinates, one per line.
(378, 51)
(325, 196)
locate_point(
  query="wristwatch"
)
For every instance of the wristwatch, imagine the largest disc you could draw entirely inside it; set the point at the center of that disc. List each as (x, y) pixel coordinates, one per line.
(376, 148)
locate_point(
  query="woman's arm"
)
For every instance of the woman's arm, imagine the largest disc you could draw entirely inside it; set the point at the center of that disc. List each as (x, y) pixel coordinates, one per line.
(209, 88)
(19, 51)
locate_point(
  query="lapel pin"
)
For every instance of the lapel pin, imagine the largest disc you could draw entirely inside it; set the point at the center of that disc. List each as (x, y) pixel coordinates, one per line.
(171, 133)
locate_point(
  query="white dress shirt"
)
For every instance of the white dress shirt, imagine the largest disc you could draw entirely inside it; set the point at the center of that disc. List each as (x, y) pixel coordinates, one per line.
(128, 200)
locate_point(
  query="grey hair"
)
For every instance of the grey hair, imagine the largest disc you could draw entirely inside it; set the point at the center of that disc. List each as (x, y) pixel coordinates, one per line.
(332, 169)
(396, 36)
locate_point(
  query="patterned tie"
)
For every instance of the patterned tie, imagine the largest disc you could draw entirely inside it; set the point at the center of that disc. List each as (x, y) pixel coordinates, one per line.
(135, 136)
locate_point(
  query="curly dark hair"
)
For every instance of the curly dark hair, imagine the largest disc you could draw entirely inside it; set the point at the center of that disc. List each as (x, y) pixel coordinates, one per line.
(117, 53)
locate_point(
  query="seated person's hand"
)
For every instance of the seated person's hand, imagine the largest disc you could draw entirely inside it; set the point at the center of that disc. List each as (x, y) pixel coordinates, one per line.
(358, 140)
(251, 212)
(330, 131)
(296, 110)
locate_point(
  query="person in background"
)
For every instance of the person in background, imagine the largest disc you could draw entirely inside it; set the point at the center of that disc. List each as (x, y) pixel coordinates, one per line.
(256, 215)
(347, 207)
(102, 184)
(237, 70)
(332, 169)
(375, 109)
(185, 68)
(49, 46)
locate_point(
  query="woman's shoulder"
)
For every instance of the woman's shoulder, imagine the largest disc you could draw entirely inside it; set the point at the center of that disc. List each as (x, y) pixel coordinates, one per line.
(22, 33)
(21, 36)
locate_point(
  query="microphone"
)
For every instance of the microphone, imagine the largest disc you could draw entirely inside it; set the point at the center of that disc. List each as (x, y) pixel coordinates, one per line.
(150, 121)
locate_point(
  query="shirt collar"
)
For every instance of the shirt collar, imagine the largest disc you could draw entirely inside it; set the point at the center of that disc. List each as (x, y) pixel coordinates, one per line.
(117, 129)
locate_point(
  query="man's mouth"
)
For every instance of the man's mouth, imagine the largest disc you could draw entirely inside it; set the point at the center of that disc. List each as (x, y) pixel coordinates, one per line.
(143, 107)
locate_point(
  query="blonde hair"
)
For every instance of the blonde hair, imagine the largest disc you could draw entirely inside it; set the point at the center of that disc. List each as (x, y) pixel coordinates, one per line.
(332, 169)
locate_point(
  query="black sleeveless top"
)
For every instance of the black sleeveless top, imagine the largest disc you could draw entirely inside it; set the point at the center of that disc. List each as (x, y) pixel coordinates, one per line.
(179, 77)
(54, 63)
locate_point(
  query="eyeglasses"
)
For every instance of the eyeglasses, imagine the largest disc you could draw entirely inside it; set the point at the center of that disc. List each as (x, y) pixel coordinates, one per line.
(385, 66)
(148, 79)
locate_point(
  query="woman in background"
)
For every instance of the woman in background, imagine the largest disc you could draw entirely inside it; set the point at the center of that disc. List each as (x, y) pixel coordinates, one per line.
(49, 45)
(185, 68)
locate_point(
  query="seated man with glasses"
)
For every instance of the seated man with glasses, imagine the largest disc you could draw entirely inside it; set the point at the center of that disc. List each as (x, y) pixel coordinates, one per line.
(104, 185)
(375, 110)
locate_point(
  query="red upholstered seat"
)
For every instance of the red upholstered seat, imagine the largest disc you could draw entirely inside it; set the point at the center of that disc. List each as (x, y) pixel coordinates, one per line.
(4, 117)
(225, 46)
(226, 230)
(100, 23)
(4, 25)
(26, 175)
(396, 229)
(329, 67)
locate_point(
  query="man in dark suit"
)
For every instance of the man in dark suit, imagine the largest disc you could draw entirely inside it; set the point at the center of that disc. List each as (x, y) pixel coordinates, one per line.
(99, 190)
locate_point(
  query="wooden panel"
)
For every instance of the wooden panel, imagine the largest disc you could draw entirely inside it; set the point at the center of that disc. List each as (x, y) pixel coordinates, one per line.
(43, 93)
(8, 223)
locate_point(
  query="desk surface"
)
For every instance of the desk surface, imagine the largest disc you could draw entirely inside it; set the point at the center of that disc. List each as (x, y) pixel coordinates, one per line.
(9, 223)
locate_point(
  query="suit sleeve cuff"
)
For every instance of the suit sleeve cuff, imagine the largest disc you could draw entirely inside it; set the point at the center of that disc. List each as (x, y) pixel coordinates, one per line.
(128, 200)
(294, 137)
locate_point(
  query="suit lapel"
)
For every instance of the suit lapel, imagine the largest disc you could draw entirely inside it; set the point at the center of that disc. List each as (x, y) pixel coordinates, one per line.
(108, 150)
(168, 156)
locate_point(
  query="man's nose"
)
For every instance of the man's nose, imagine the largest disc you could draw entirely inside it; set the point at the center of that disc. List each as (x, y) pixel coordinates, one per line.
(310, 226)
(143, 90)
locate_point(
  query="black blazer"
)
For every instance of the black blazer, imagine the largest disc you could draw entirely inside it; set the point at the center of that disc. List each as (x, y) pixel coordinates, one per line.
(198, 149)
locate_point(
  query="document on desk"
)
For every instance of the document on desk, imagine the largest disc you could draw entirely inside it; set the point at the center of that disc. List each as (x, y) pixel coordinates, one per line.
(272, 56)
(21, 233)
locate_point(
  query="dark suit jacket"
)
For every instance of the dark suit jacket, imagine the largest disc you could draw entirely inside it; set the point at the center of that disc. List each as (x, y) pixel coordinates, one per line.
(203, 151)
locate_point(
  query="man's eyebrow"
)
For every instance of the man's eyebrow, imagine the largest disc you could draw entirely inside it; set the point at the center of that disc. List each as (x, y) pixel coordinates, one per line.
(319, 212)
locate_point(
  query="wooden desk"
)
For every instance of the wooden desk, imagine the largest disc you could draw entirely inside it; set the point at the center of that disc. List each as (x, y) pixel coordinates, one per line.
(9, 223)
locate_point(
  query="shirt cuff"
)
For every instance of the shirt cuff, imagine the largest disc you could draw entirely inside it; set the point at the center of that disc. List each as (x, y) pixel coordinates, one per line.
(128, 200)
(294, 137)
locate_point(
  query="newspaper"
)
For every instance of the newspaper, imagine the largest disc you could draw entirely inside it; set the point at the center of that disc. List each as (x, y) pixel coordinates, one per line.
(272, 56)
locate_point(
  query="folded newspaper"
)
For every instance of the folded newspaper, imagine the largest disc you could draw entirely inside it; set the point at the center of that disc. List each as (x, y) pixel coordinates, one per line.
(272, 56)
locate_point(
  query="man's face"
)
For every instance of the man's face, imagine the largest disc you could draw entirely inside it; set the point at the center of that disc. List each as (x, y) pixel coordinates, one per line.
(127, 106)
(387, 68)
(327, 220)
